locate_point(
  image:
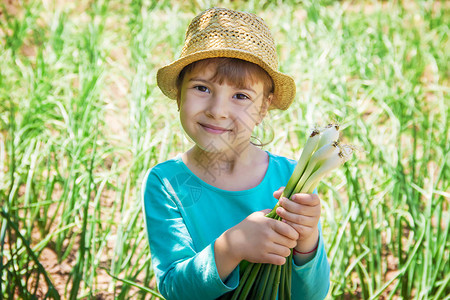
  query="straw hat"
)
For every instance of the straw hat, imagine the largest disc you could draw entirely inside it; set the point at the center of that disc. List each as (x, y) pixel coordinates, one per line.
(220, 32)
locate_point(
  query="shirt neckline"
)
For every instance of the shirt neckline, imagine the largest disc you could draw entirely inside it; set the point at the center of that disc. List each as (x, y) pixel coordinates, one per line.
(180, 161)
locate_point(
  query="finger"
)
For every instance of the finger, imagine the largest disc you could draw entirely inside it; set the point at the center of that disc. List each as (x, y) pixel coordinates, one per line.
(266, 211)
(285, 242)
(306, 199)
(262, 212)
(284, 229)
(300, 209)
(302, 230)
(296, 218)
(278, 193)
(281, 250)
(268, 258)
(274, 259)
(282, 240)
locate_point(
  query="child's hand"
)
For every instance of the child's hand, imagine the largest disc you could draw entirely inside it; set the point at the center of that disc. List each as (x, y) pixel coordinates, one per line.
(302, 212)
(259, 239)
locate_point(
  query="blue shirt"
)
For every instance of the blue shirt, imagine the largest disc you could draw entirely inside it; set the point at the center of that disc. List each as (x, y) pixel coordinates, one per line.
(184, 216)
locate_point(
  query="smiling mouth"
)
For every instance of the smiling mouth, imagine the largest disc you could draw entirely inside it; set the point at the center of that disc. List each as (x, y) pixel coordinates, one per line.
(214, 129)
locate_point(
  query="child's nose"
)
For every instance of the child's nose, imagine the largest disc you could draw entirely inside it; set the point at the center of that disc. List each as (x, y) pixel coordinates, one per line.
(218, 108)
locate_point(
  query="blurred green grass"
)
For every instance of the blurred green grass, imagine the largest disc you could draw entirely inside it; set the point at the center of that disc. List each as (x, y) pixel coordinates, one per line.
(81, 120)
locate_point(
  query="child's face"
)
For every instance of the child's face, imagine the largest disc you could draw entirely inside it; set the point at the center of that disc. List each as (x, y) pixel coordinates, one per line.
(220, 117)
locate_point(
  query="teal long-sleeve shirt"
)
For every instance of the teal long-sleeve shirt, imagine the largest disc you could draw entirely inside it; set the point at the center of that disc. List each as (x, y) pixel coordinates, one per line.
(184, 216)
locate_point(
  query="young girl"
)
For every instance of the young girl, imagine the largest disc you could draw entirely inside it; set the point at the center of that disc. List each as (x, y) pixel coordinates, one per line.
(205, 209)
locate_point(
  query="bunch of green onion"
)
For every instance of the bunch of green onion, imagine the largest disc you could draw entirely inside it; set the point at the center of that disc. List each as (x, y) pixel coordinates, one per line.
(321, 154)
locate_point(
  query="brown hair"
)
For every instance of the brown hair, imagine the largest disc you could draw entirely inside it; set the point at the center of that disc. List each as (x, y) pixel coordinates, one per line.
(231, 70)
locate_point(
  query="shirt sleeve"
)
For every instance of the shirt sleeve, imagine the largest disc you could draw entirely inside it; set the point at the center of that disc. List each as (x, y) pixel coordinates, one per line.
(312, 280)
(181, 271)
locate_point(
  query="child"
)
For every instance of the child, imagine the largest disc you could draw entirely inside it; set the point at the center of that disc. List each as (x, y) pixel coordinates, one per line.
(205, 209)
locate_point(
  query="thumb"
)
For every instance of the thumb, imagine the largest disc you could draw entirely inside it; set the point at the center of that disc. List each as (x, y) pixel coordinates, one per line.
(266, 211)
(278, 193)
(262, 212)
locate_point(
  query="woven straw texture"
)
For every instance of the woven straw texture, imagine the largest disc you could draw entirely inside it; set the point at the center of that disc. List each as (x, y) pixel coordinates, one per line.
(220, 32)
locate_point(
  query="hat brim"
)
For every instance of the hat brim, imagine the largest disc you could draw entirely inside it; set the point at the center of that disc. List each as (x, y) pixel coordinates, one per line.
(284, 85)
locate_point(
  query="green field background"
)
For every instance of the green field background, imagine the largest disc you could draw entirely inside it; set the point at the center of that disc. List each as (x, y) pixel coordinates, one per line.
(82, 120)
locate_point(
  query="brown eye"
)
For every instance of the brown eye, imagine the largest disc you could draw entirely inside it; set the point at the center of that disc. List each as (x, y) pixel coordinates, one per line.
(201, 88)
(240, 96)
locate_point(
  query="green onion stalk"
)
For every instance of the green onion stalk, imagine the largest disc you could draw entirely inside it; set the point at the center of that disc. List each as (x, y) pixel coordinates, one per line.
(322, 154)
